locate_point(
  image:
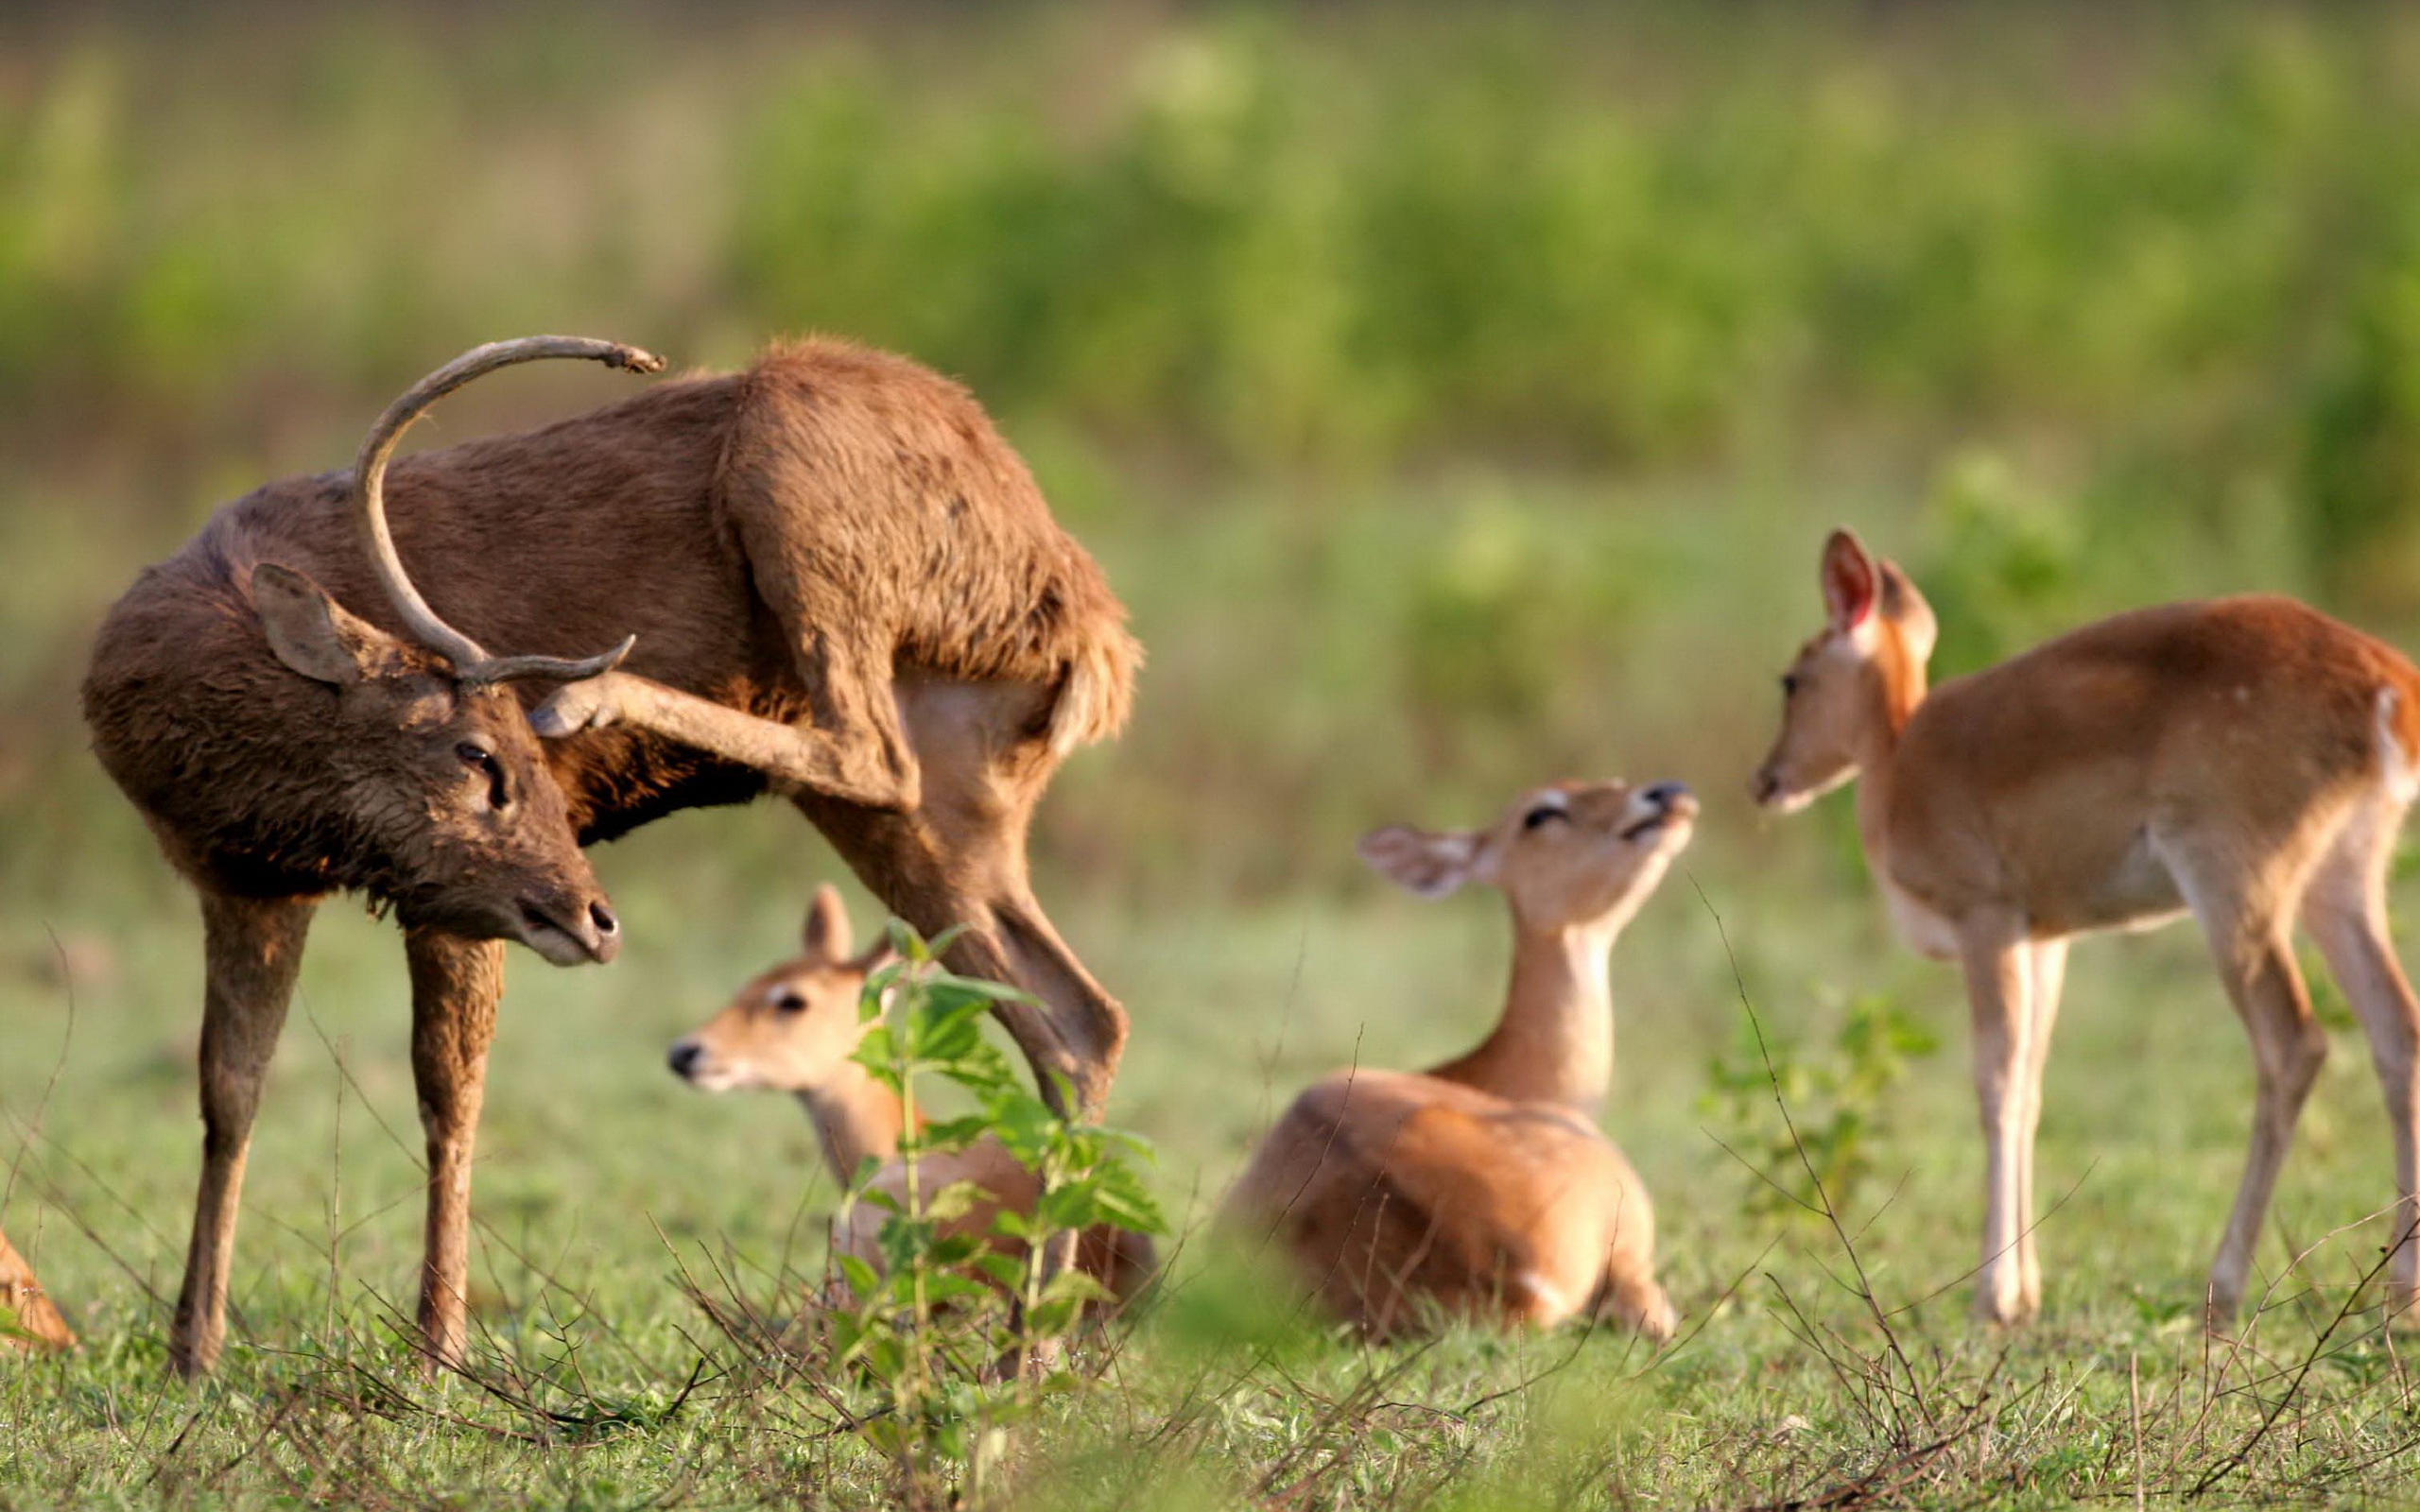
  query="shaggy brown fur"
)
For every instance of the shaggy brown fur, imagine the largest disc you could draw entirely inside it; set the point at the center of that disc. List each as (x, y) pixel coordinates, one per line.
(845, 589)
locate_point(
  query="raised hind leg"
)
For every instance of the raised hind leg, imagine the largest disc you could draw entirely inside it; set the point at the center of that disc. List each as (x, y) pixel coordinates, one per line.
(252, 950)
(2345, 912)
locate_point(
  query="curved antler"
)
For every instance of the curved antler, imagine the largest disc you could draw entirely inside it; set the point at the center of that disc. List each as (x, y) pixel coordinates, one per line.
(471, 660)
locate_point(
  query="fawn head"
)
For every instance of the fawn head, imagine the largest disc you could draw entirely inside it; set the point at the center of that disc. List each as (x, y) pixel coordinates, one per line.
(793, 1028)
(1859, 677)
(1571, 855)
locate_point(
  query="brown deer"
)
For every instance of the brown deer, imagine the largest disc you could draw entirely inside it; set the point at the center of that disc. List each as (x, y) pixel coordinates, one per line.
(796, 1029)
(2246, 759)
(1482, 1188)
(844, 587)
(28, 1318)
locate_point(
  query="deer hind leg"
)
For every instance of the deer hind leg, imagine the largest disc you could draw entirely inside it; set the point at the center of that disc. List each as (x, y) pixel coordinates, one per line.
(253, 949)
(2246, 912)
(1999, 992)
(456, 985)
(2048, 960)
(2345, 912)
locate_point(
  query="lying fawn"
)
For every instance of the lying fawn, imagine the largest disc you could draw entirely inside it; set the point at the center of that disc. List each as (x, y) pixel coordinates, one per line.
(796, 1029)
(2248, 760)
(1482, 1187)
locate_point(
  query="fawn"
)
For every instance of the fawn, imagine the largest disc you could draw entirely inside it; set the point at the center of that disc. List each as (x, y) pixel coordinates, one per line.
(2246, 759)
(1482, 1188)
(796, 1028)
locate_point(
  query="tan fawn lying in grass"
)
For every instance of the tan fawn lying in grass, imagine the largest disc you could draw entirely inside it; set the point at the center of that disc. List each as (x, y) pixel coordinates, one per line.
(2247, 760)
(796, 1029)
(1482, 1189)
(28, 1318)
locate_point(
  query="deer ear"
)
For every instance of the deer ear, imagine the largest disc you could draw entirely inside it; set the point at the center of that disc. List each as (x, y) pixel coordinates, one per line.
(311, 632)
(826, 935)
(1850, 581)
(1429, 863)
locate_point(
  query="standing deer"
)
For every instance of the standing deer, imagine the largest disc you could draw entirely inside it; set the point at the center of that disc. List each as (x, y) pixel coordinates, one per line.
(1482, 1188)
(2248, 760)
(830, 579)
(28, 1318)
(796, 1029)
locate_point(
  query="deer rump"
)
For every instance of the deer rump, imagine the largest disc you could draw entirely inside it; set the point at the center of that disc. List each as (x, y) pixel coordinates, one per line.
(783, 541)
(1398, 1196)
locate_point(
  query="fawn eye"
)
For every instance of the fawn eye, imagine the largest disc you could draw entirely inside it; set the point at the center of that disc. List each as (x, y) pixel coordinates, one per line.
(791, 1001)
(1788, 683)
(1540, 814)
(482, 761)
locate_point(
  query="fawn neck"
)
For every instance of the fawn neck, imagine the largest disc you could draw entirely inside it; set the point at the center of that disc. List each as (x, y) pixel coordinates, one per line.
(1555, 1042)
(1898, 687)
(856, 1116)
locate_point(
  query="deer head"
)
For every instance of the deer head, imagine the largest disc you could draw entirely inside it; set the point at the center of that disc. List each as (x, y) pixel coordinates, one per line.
(444, 803)
(793, 1028)
(1854, 684)
(1571, 856)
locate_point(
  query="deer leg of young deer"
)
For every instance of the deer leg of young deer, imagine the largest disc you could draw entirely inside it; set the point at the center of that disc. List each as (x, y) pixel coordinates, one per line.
(2049, 962)
(2345, 911)
(837, 763)
(456, 985)
(253, 949)
(1999, 991)
(2249, 945)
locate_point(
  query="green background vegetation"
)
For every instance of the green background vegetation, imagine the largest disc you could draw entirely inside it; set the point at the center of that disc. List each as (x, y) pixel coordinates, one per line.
(1456, 401)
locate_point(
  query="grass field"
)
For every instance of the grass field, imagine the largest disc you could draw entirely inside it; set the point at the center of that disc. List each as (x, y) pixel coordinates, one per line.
(1458, 402)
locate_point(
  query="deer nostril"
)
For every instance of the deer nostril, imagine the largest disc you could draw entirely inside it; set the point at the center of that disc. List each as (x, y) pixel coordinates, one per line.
(683, 1057)
(603, 919)
(1666, 794)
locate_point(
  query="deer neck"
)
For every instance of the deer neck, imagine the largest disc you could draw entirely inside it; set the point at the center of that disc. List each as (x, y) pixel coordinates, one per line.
(1555, 1042)
(856, 1116)
(1899, 690)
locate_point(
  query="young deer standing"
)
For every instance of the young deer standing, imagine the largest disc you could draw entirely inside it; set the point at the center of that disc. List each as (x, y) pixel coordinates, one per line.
(2248, 760)
(796, 1029)
(1483, 1186)
(28, 1318)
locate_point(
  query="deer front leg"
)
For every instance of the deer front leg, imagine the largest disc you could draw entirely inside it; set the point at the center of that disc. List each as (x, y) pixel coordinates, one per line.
(1999, 991)
(252, 950)
(456, 985)
(2048, 960)
(832, 762)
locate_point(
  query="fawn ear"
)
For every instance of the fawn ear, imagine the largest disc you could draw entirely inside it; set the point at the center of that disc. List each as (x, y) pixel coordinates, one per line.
(1850, 581)
(826, 935)
(1429, 862)
(309, 632)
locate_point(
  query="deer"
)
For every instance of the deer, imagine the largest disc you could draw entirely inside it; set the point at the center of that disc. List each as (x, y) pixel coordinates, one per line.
(1482, 1188)
(29, 1320)
(2247, 760)
(796, 1028)
(826, 577)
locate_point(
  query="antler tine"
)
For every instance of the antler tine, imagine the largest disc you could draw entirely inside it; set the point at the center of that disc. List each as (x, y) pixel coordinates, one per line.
(471, 660)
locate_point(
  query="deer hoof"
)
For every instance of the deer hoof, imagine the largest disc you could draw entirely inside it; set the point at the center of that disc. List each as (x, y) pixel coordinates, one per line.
(574, 707)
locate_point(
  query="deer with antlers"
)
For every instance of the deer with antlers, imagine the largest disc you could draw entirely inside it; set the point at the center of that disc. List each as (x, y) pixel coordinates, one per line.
(1482, 1188)
(826, 577)
(2247, 760)
(796, 1029)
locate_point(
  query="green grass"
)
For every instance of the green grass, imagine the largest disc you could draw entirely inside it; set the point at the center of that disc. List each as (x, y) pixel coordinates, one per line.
(1458, 401)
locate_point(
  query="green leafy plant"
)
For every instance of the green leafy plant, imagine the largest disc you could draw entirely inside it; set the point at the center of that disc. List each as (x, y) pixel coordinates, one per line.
(1836, 1102)
(965, 1329)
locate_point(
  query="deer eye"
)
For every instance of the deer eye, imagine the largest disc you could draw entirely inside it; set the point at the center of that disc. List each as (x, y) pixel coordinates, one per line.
(791, 1001)
(1788, 683)
(1540, 814)
(482, 761)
